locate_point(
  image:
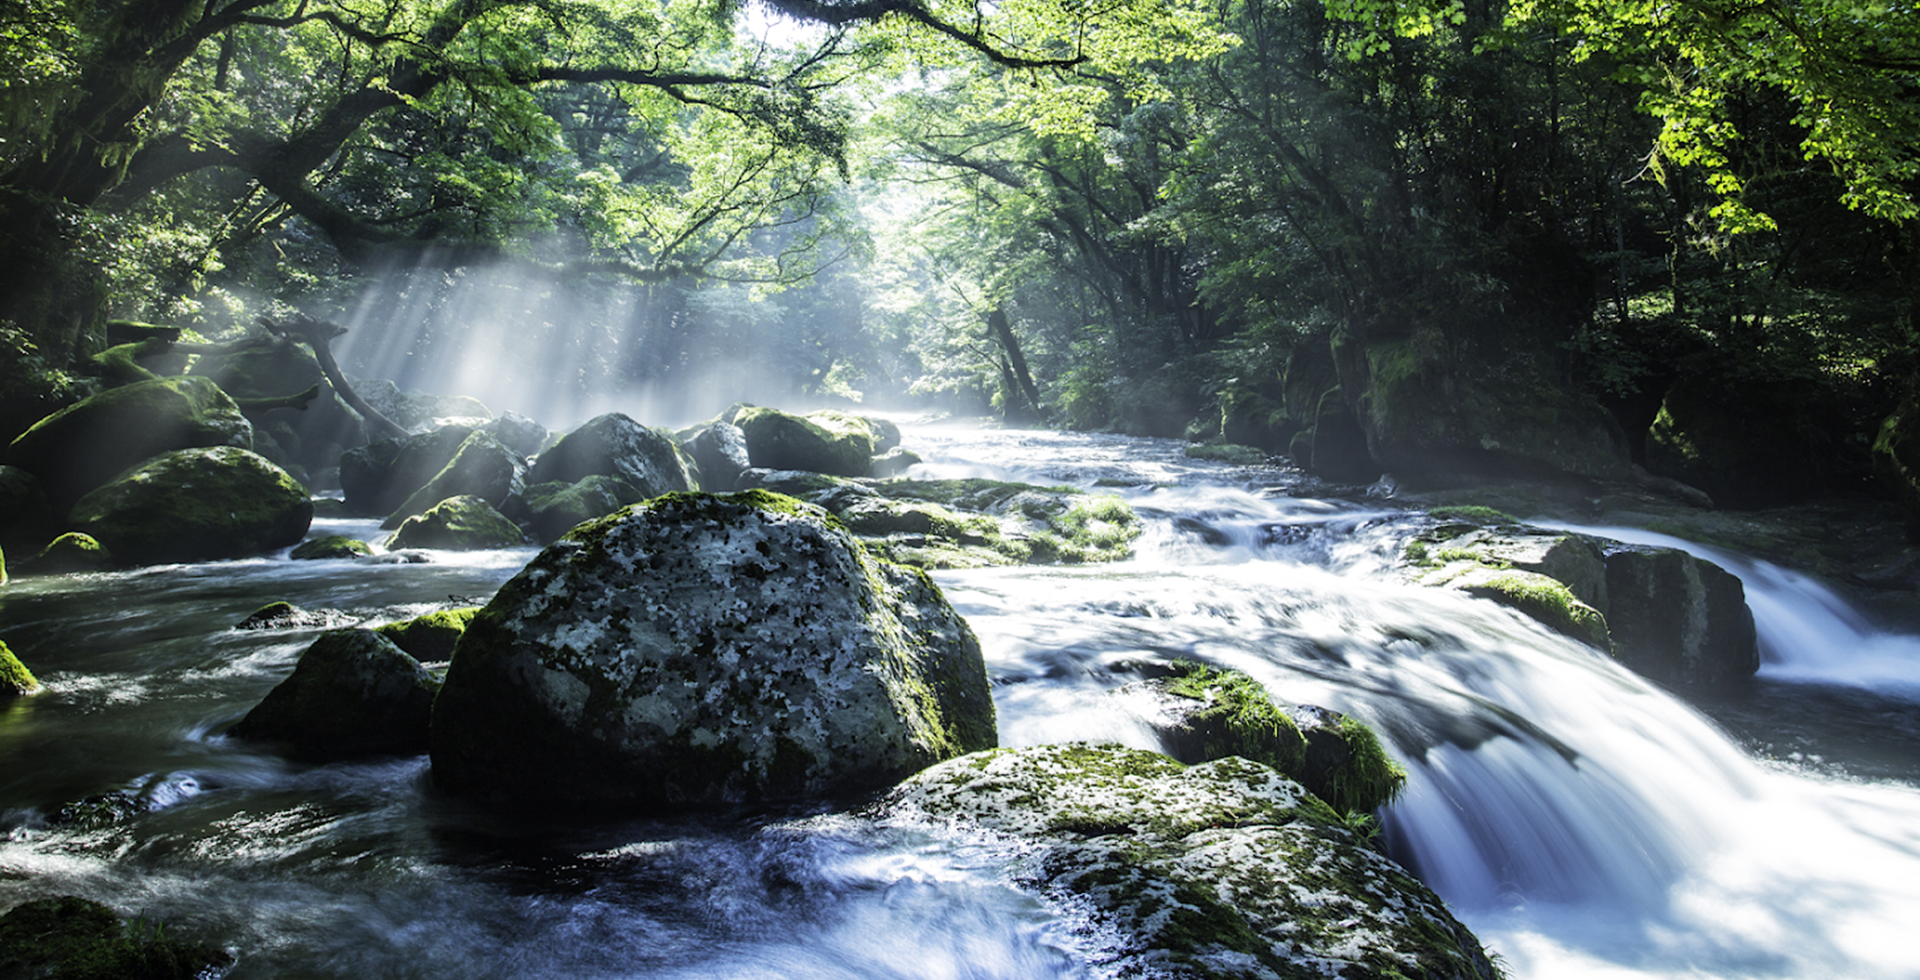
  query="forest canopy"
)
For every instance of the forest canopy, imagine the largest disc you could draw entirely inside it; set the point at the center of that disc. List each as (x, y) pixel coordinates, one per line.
(1161, 217)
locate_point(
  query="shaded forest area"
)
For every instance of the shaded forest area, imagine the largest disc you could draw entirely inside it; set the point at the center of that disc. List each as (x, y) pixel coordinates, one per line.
(1438, 239)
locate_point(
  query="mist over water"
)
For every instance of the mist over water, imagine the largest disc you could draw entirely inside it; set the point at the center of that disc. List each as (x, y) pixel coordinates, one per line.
(1584, 822)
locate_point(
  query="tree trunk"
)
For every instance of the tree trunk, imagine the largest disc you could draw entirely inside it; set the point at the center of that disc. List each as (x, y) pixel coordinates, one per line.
(1023, 386)
(317, 334)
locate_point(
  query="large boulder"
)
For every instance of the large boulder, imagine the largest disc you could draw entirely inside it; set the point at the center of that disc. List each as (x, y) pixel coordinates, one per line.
(615, 445)
(196, 505)
(779, 441)
(882, 434)
(554, 509)
(353, 693)
(702, 649)
(378, 477)
(719, 449)
(482, 467)
(80, 448)
(1679, 619)
(457, 524)
(1226, 869)
(518, 433)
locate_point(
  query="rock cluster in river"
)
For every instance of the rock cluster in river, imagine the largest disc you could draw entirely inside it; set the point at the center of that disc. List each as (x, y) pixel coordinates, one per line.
(701, 649)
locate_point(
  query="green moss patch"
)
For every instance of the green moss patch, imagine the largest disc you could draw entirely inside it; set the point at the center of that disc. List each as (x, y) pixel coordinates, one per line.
(1472, 513)
(15, 678)
(429, 638)
(330, 546)
(1545, 600)
(70, 938)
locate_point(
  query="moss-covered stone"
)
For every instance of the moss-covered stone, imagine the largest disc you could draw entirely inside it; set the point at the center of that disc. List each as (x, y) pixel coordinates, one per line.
(555, 508)
(924, 522)
(1226, 452)
(353, 693)
(378, 477)
(67, 554)
(15, 679)
(1226, 869)
(458, 524)
(700, 649)
(82, 447)
(779, 441)
(330, 546)
(1541, 598)
(615, 445)
(196, 505)
(430, 638)
(69, 938)
(482, 467)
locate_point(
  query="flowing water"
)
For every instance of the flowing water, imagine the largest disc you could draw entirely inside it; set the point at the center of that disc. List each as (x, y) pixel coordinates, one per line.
(1583, 822)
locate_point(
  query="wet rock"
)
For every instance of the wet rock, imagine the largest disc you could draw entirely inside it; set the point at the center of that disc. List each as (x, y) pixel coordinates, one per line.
(283, 615)
(67, 554)
(1223, 452)
(196, 505)
(1543, 599)
(792, 483)
(882, 435)
(1205, 714)
(519, 433)
(68, 938)
(482, 468)
(418, 411)
(1679, 619)
(615, 445)
(703, 649)
(378, 477)
(553, 509)
(80, 448)
(1226, 869)
(893, 462)
(15, 679)
(330, 546)
(777, 440)
(719, 449)
(458, 524)
(353, 693)
(430, 638)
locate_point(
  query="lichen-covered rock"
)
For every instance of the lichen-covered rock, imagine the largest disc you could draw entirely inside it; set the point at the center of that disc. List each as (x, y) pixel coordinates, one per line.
(1679, 619)
(67, 554)
(81, 447)
(69, 938)
(1226, 869)
(1207, 713)
(196, 505)
(15, 678)
(378, 477)
(702, 649)
(779, 441)
(430, 638)
(458, 524)
(353, 693)
(719, 449)
(555, 508)
(615, 445)
(482, 467)
(330, 546)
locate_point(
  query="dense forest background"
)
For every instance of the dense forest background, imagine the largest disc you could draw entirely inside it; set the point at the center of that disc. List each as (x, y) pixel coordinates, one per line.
(1429, 237)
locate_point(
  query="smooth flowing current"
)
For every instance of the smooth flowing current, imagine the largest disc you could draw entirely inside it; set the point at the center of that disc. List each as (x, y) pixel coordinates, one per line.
(1583, 822)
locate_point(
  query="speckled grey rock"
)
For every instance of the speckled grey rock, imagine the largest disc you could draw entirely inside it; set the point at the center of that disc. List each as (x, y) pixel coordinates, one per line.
(615, 445)
(353, 693)
(1226, 869)
(720, 450)
(700, 649)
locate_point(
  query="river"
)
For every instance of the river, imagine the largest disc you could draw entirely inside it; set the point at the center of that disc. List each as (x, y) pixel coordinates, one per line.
(1585, 823)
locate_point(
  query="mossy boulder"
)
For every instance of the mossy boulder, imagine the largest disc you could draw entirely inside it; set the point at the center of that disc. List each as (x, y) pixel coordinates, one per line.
(482, 467)
(553, 509)
(67, 554)
(719, 451)
(458, 524)
(1543, 599)
(881, 434)
(1206, 713)
(518, 433)
(430, 638)
(1679, 619)
(330, 546)
(80, 448)
(196, 505)
(69, 938)
(15, 678)
(615, 445)
(353, 693)
(1226, 452)
(975, 523)
(705, 649)
(1225, 869)
(779, 441)
(378, 477)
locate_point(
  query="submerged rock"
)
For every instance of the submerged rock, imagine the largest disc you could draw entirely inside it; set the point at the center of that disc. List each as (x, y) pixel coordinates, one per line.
(1226, 869)
(353, 693)
(703, 649)
(196, 505)
(69, 938)
(83, 446)
(283, 615)
(458, 524)
(615, 445)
